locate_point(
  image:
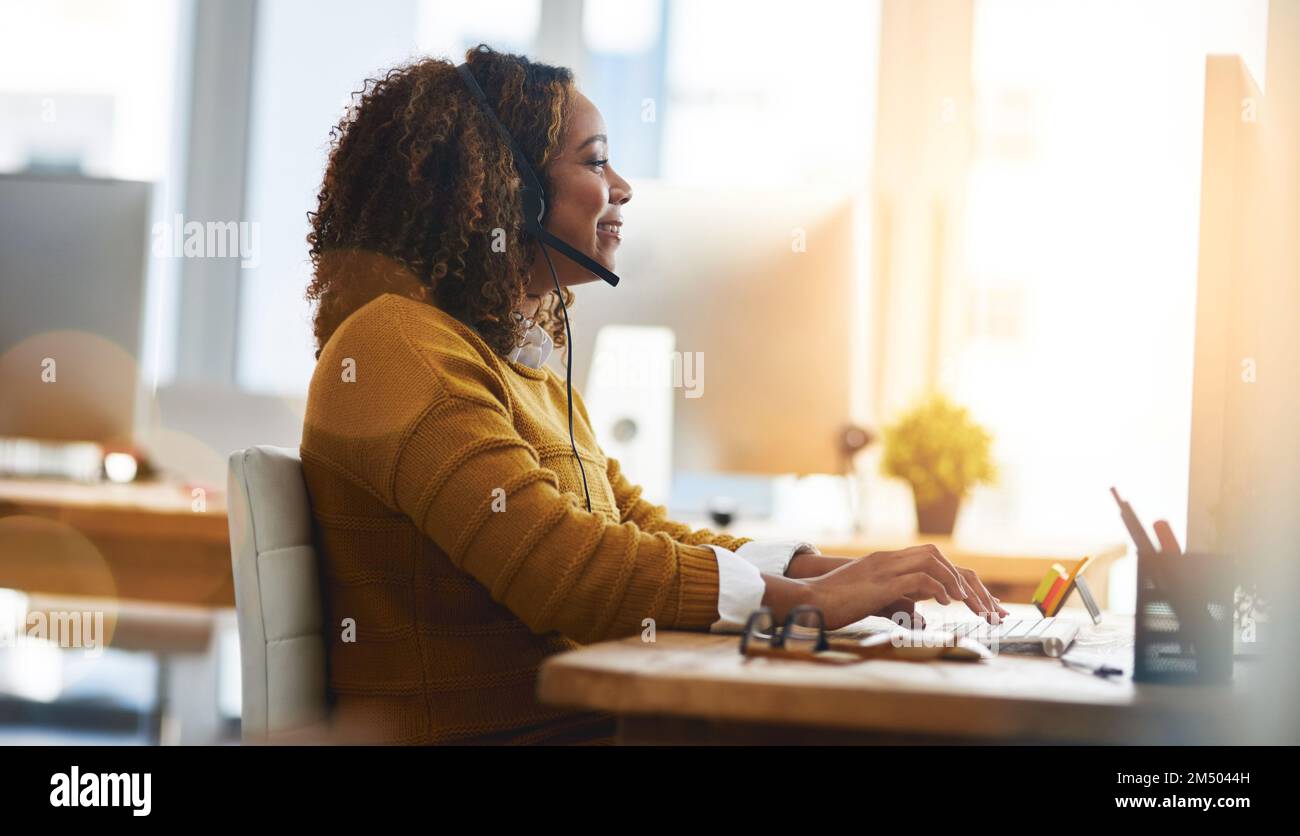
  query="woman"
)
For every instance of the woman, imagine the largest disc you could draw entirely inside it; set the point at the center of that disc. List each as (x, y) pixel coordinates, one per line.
(458, 549)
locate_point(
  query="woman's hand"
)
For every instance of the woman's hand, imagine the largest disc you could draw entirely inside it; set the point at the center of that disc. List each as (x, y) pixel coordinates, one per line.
(809, 564)
(871, 585)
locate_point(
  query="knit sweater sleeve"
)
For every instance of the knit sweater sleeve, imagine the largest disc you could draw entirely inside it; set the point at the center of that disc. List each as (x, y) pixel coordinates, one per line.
(474, 486)
(650, 517)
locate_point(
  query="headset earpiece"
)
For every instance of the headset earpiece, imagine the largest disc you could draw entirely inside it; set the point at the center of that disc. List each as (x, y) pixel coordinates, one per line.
(534, 207)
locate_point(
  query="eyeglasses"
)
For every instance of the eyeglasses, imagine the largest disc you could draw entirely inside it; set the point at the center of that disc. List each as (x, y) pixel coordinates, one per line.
(802, 635)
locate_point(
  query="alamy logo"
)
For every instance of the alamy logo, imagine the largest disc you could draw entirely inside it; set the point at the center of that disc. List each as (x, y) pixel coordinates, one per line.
(648, 370)
(214, 239)
(108, 789)
(69, 629)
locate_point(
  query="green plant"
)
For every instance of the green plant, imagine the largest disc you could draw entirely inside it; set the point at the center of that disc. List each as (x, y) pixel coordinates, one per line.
(939, 449)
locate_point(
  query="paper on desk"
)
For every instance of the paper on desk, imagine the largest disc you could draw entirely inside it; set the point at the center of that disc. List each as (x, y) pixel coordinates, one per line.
(870, 624)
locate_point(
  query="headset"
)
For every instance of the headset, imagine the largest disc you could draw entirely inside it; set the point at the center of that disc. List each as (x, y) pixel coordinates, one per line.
(534, 201)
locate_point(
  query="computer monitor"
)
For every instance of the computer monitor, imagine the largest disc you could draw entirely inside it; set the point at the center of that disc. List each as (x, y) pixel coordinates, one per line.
(1245, 459)
(73, 257)
(1244, 487)
(759, 283)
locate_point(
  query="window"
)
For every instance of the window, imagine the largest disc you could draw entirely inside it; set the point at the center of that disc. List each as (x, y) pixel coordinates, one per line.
(309, 57)
(1081, 230)
(92, 87)
(724, 92)
(87, 85)
(623, 74)
(769, 94)
(449, 27)
(688, 90)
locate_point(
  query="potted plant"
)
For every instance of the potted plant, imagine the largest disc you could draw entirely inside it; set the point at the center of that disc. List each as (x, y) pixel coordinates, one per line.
(940, 450)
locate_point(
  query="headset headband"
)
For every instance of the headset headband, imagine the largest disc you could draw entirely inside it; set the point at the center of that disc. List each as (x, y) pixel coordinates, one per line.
(531, 181)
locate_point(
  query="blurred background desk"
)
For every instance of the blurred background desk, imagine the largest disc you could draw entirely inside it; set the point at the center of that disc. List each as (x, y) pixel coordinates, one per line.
(139, 541)
(160, 572)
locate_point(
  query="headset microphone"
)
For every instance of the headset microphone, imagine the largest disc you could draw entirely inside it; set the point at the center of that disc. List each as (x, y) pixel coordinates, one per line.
(534, 205)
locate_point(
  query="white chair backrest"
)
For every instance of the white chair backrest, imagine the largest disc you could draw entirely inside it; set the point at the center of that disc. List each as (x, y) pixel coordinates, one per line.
(277, 595)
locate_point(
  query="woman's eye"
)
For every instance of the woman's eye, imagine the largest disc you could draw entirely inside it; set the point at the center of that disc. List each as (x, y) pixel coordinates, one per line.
(599, 162)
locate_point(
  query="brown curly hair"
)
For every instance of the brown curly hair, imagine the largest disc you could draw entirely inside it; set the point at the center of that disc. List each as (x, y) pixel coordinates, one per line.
(418, 180)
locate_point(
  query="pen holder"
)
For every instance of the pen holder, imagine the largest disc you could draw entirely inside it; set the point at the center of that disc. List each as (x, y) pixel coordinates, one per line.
(1183, 629)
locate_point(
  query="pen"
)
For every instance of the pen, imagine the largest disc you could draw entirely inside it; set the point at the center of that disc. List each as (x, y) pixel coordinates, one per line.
(1143, 543)
(1102, 671)
(1165, 534)
(1135, 529)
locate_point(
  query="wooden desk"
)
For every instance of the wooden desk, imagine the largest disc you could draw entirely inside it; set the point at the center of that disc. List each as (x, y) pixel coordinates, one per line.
(138, 541)
(697, 688)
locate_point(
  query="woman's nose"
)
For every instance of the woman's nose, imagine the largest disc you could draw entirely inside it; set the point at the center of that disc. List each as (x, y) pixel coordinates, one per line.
(620, 192)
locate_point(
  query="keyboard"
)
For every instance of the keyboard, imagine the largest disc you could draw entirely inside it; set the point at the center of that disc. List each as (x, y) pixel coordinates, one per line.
(1051, 636)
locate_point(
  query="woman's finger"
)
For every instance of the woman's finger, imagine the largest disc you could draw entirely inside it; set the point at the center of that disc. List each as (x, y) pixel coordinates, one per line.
(938, 553)
(918, 585)
(991, 607)
(923, 560)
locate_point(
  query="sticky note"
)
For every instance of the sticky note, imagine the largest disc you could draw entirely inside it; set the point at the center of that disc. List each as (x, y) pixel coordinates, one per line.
(1043, 588)
(1053, 599)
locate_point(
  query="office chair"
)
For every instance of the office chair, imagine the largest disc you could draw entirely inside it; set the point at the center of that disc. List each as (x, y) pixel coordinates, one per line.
(277, 598)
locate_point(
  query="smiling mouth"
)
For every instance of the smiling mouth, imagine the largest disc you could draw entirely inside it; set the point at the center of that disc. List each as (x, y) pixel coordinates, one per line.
(610, 230)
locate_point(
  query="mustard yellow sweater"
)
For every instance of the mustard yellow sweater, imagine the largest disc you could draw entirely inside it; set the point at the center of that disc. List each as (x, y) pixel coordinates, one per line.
(457, 549)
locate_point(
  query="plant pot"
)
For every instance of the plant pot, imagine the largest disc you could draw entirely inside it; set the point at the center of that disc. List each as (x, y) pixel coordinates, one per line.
(939, 517)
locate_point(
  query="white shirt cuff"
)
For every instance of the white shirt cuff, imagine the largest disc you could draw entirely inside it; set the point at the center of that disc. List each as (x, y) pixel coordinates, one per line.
(772, 556)
(740, 590)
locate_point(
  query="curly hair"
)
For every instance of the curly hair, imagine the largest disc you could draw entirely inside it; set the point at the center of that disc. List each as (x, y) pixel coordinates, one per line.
(420, 182)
